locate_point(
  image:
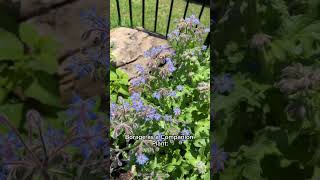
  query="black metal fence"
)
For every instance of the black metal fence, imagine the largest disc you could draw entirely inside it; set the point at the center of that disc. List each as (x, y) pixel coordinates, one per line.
(204, 2)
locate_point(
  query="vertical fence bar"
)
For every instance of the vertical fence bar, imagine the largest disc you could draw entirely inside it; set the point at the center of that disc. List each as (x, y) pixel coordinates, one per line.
(207, 41)
(143, 6)
(156, 16)
(119, 15)
(168, 26)
(130, 10)
(202, 8)
(186, 9)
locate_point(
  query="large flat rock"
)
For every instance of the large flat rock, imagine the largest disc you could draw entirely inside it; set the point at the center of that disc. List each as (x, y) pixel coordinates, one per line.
(31, 7)
(65, 25)
(128, 47)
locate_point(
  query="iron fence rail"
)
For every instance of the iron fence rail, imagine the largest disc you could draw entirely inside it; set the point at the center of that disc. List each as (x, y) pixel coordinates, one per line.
(207, 41)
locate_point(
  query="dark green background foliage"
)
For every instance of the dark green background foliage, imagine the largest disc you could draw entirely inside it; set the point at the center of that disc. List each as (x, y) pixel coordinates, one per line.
(27, 63)
(269, 122)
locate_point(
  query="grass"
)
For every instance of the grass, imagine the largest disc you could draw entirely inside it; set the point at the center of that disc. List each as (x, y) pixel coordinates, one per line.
(163, 13)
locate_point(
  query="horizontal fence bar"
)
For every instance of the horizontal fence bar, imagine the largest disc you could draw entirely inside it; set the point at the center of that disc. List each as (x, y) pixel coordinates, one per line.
(130, 11)
(186, 9)
(168, 26)
(119, 14)
(156, 16)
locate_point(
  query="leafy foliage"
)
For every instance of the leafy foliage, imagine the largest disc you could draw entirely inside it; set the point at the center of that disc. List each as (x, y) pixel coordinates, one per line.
(39, 139)
(119, 82)
(267, 121)
(171, 100)
(27, 62)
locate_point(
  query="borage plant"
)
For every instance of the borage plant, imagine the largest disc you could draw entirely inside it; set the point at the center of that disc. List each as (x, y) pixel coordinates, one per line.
(74, 144)
(267, 90)
(171, 99)
(46, 152)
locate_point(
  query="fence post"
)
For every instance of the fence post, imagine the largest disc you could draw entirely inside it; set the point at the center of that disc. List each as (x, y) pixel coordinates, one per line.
(143, 6)
(119, 15)
(207, 41)
(202, 8)
(156, 16)
(186, 9)
(130, 10)
(168, 26)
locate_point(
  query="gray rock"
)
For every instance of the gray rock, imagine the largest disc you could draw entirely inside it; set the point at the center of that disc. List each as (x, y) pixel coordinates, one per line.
(129, 46)
(65, 25)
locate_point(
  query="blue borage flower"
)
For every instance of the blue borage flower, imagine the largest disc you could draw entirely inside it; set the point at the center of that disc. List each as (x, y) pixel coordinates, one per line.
(135, 96)
(155, 51)
(170, 64)
(150, 113)
(9, 147)
(140, 69)
(176, 111)
(192, 20)
(181, 35)
(3, 172)
(138, 81)
(96, 23)
(204, 47)
(81, 109)
(142, 159)
(92, 139)
(223, 83)
(93, 59)
(167, 118)
(138, 105)
(184, 132)
(113, 110)
(156, 95)
(172, 94)
(174, 33)
(54, 137)
(90, 17)
(147, 112)
(179, 87)
(79, 67)
(218, 157)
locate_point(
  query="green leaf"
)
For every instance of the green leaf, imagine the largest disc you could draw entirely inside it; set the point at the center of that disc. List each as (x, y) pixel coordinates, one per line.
(42, 94)
(252, 171)
(200, 143)
(190, 158)
(14, 113)
(45, 62)
(48, 45)
(123, 91)
(3, 94)
(230, 173)
(28, 35)
(170, 167)
(10, 46)
(316, 173)
(113, 76)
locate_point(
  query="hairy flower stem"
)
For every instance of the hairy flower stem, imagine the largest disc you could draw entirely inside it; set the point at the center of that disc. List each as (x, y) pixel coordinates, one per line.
(68, 141)
(10, 126)
(43, 145)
